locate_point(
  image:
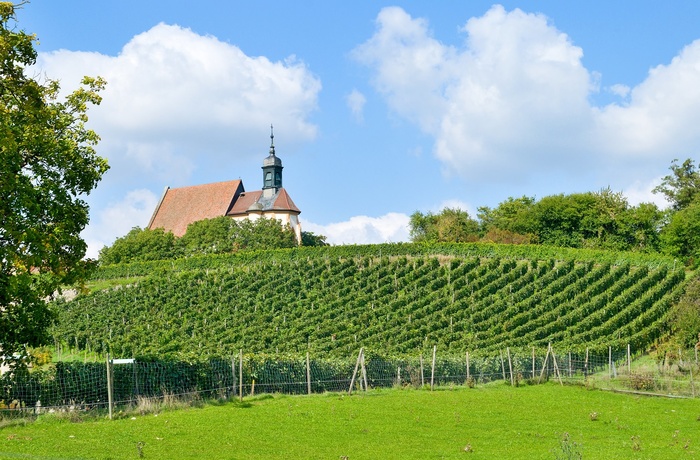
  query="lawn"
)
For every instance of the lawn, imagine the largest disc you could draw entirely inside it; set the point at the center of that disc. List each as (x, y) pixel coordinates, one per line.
(489, 422)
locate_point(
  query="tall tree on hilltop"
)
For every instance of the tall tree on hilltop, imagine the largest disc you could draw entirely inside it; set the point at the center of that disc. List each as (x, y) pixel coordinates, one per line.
(47, 163)
(682, 187)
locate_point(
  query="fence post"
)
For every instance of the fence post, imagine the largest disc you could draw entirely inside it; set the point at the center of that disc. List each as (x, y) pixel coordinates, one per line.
(692, 384)
(468, 367)
(503, 365)
(233, 374)
(610, 362)
(110, 399)
(364, 371)
(398, 376)
(629, 360)
(432, 372)
(585, 366)
(422, 378)
(544, 364)
(308, 374)
(354, 373)
(533, 362)
(510, 367)
(556, 367)
(240, 376)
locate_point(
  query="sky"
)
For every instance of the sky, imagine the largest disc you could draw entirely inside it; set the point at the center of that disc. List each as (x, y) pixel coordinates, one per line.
(379, 109)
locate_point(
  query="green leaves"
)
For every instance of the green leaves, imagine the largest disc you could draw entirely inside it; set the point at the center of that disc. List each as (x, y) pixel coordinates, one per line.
(47, 163)
(332, 300)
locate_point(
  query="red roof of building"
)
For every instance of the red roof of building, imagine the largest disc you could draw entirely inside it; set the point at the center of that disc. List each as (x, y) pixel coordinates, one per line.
(180, 207)
(281, 201)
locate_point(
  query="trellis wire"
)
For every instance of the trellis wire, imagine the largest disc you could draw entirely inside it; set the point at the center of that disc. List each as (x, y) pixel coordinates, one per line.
(83, 386)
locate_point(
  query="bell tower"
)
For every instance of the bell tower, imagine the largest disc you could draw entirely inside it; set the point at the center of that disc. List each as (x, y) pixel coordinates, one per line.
(272, 170)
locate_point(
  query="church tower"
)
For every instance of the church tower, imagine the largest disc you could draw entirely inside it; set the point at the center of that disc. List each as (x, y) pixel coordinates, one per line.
(272, 170)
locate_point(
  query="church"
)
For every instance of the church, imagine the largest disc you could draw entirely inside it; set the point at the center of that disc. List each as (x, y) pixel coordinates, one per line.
(179, 207)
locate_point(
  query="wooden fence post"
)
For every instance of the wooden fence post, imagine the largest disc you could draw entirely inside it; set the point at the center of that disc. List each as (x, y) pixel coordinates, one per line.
(364, 371)
(510, 368)
(692, 384)
(629, 360)
(533, 362)
(503, 365)
(432, 371)
(233, 373)
(354, 373)
(544, 365)
(422, 378)
(308, 374)
(110, 398)
(610, 371)
(556, 368)
(468, 367)
(240, 376)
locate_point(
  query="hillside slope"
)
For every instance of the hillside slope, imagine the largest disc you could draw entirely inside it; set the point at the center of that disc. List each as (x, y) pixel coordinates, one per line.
(463, 297)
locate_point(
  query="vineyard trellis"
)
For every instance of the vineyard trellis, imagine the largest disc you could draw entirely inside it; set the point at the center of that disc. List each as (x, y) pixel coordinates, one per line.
(84, 386)
(396, 304)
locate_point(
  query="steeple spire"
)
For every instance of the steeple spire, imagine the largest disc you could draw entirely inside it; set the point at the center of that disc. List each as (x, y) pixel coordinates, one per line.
(272, 170)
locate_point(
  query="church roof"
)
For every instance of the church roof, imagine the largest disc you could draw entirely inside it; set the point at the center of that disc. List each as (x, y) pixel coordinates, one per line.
(256, 202)
(180, 207)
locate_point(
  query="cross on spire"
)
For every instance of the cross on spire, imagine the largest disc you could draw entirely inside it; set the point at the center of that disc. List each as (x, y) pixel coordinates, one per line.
(272, 141)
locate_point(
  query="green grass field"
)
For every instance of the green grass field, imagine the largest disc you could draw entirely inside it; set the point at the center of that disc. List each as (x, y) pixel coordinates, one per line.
(491, 422)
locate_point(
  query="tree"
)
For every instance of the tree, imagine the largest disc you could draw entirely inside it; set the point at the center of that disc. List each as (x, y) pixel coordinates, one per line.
(681, 236)
(140, 245)
(682, 187)
(512, 216)
(450, 225)
(312, 239)
(47, 164)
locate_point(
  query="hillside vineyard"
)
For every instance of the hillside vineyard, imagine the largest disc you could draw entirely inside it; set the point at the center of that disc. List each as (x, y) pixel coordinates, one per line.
(328, 304)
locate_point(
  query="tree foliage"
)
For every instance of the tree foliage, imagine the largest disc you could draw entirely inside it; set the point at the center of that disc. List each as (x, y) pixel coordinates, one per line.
(311, 239)
(220, 235)
(681, 236)
(450, 225)
(682, 187)
(140, 245)
(47, 164)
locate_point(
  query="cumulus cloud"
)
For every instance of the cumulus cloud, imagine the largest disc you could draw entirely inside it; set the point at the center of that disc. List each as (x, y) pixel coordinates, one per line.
(173, 95)
(134, 210)
(356, 103)
(514, 100)
(641, 192)
(391, 227)
(179, 105)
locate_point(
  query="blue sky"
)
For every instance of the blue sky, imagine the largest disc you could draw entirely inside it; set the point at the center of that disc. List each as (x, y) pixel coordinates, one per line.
(379, 109)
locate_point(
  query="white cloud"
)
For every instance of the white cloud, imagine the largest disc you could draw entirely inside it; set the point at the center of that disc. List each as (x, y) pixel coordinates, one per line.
(513, 101)
(173, 95)
(641, 192)
(620, 90)
(661, 114)
(356, 103)
(391, 227)
(134, 210)
(516, 82)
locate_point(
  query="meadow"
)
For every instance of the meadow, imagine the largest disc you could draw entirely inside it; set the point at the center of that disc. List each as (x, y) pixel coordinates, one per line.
(491, 421)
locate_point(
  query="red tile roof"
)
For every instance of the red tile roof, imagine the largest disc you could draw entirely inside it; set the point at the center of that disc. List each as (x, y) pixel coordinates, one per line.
(179, 207)
(243, 203)
(282, 202)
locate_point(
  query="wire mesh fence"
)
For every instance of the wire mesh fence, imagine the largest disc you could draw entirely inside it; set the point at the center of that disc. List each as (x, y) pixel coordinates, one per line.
(86, 386)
